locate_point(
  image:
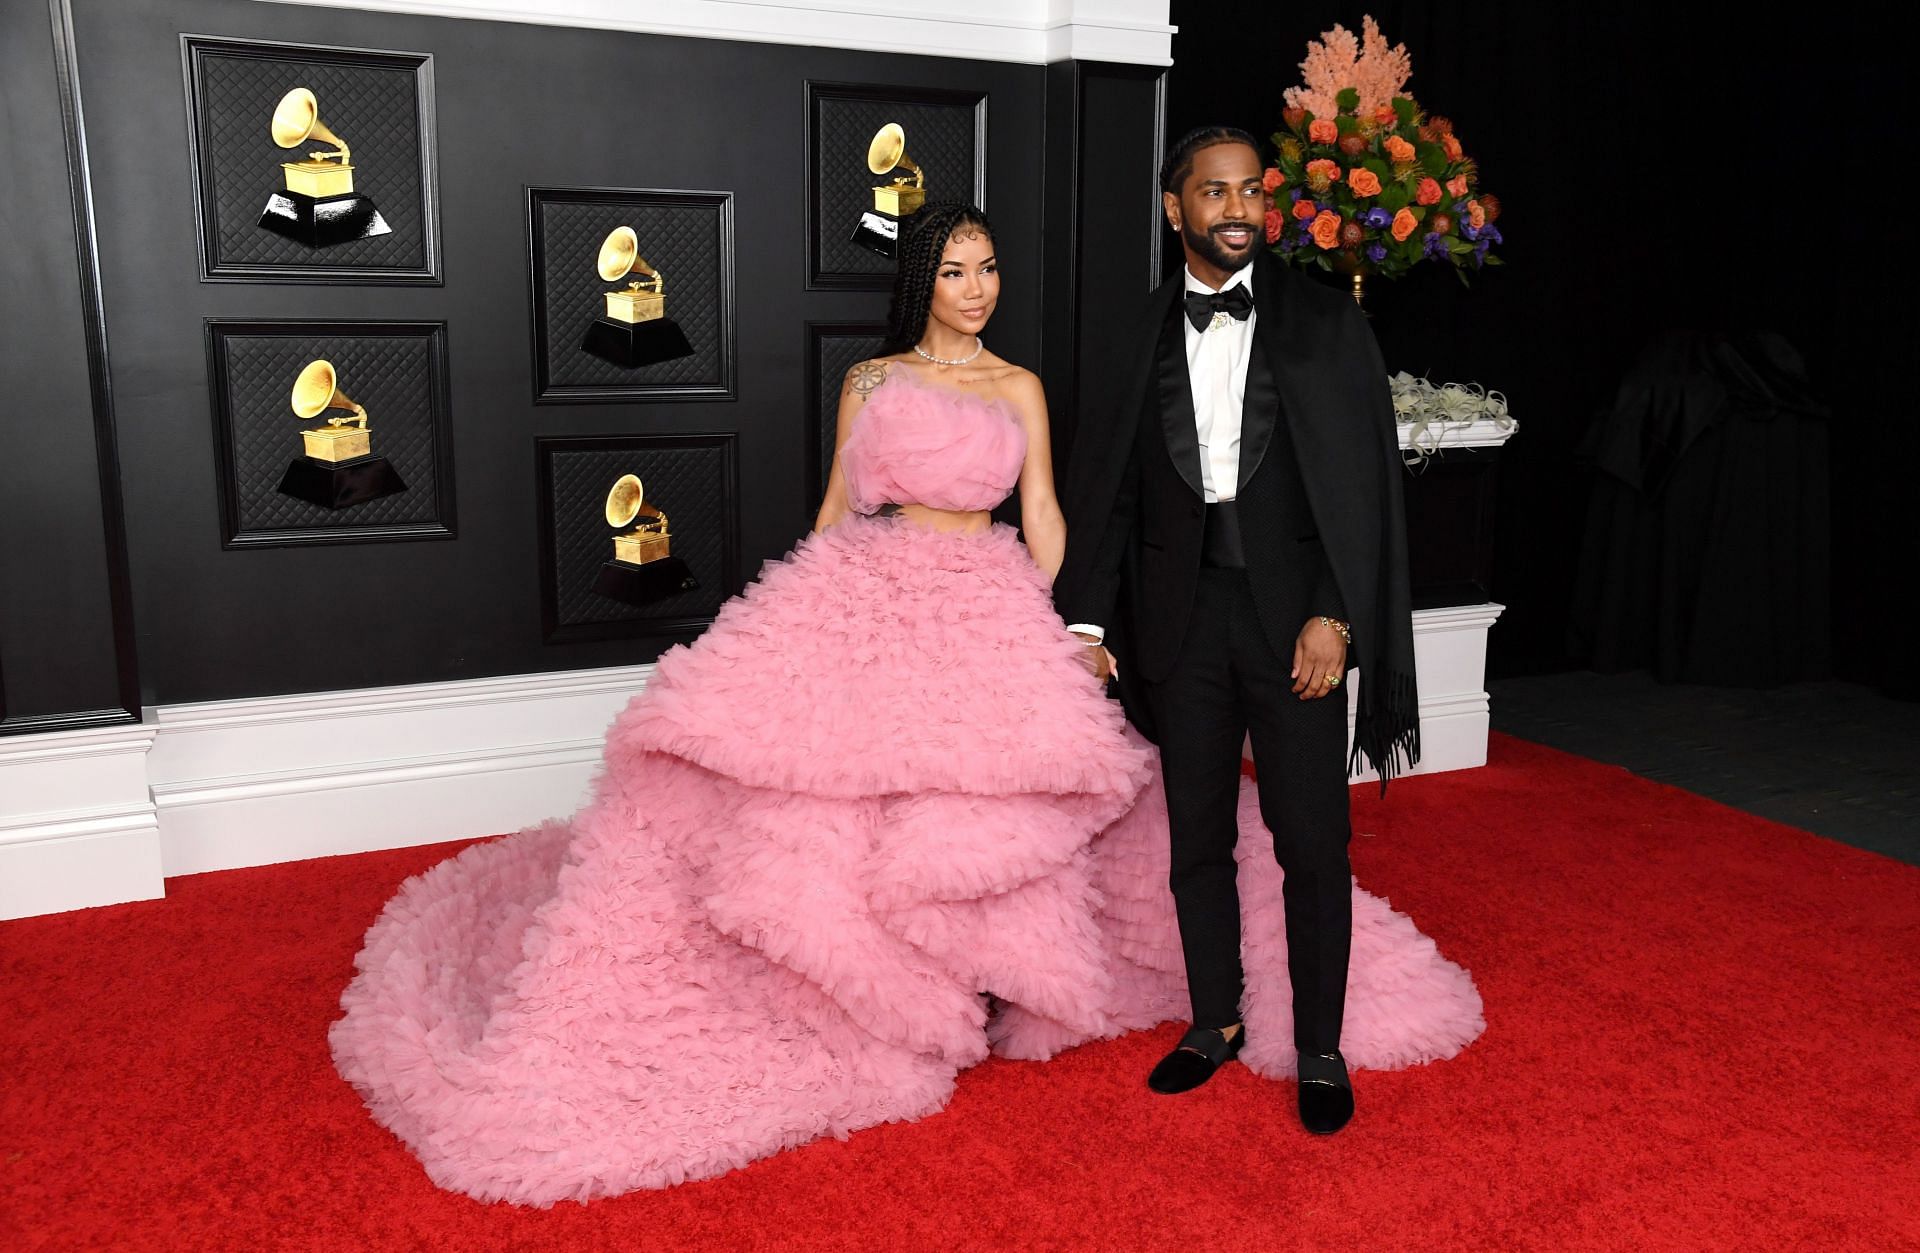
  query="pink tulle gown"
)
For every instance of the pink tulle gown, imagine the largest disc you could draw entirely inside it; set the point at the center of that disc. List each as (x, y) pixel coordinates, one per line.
(882, 784)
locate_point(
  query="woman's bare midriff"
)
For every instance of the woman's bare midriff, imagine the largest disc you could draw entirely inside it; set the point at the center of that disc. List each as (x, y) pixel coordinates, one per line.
(965, 521)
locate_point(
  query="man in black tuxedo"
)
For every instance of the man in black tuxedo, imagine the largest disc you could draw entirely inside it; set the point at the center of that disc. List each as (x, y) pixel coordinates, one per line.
(1235, 534)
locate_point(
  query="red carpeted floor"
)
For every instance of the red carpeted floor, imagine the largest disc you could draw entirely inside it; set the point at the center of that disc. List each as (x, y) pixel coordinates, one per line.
(1702, 1035)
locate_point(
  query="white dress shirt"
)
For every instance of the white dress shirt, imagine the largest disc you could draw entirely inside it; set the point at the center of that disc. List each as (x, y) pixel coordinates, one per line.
(1217, 356)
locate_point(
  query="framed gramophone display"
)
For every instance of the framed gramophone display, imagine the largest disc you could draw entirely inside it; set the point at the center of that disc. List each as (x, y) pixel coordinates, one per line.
(640, 534)
(331, 432)
(875, 155)
(666, 333)
(312, 164)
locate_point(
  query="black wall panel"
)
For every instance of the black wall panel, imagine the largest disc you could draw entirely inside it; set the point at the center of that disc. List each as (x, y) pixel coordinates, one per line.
(515, 106)
(66, 644)
(114, 516)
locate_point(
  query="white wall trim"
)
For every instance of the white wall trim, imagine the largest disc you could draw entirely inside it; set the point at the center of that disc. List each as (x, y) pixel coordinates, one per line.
(77, 825)
(1032, 32)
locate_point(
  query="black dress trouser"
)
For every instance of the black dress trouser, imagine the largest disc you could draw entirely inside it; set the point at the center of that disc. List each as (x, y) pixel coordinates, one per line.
(1228, 683)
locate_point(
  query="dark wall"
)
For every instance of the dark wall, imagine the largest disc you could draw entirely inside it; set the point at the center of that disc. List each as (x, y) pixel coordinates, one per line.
(517, 105)
(66, 654)
(1660, 168)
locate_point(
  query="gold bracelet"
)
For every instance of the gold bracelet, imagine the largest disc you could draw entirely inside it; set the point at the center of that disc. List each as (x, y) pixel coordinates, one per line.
(1339, 626)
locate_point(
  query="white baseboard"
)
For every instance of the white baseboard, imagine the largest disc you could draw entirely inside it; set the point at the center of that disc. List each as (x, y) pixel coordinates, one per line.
(97, 817)
(77, 826)
(249, 783)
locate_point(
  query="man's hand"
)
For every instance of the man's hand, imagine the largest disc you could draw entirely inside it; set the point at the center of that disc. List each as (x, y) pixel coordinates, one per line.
(1319, 660)
(1099, 660)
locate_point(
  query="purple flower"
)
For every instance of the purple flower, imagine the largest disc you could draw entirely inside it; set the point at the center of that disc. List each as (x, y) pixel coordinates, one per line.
(1435, 248)
(1377, 218)
(1490, 231)
(1376, 253)
(1469, 231)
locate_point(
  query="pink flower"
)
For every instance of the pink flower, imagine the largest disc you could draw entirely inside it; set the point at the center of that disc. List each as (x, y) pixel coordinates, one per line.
(1429, 192)
(1451, 143)
(1404, 224)
(1364, 182)
(1476, 214)
(1326, 230)
(1323, 131)
(1457, 187)
(1276, 222)
(1273, 180)
(1385, 115)
(1303, 209)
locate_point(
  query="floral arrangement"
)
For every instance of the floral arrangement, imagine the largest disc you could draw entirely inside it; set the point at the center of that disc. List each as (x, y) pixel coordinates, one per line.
(1430, 410)
(1364, 181)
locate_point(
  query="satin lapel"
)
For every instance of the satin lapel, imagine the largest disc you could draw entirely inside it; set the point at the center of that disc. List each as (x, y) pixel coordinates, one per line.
(1176, 399)
(1260, 406)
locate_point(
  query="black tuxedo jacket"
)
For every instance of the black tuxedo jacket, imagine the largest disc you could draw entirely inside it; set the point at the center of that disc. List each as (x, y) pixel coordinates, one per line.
(1319, 497)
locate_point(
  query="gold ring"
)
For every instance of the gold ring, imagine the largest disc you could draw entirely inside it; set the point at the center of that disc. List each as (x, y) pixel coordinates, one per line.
(1333, 680)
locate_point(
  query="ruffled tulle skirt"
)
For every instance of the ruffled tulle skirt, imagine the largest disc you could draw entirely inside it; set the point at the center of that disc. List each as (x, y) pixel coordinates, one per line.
(882, 784)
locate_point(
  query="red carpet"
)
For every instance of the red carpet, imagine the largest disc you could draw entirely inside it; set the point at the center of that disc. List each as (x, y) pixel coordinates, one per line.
(1702, 1035)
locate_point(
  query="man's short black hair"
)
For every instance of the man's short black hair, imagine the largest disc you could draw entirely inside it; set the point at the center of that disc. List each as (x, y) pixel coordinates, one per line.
(1178, 166)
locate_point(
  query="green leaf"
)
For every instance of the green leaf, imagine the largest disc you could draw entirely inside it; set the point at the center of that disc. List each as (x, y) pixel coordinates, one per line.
(1403, 109)
(1347, 98)
(1347, 124)
(1493, 260)
(1433, 158)
(1394, 196)
(1459, 247)
(1381, 170)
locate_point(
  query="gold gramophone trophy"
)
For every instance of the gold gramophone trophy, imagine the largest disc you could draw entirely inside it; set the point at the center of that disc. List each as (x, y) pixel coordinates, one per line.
(879, 227)
(318, 206)
(339, 468)
(643, 568)
(635, 329)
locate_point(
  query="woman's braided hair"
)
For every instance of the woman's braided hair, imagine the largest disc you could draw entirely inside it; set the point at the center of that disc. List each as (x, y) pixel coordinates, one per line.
(922, 245)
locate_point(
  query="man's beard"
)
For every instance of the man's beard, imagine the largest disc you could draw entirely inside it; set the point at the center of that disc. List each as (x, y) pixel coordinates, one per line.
(1210, 248)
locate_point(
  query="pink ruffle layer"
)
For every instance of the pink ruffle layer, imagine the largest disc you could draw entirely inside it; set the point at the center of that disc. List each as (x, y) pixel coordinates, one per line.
(881, 784)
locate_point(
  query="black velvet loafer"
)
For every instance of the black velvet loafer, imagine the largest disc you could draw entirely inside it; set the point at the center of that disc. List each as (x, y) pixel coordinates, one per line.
(1201, 1051)
(1326, 1094)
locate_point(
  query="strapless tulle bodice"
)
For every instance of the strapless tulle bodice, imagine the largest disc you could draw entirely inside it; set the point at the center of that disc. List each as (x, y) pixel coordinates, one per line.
(914, 444)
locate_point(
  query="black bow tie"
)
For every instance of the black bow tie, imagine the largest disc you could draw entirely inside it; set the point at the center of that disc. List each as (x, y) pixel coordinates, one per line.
(1201, 306)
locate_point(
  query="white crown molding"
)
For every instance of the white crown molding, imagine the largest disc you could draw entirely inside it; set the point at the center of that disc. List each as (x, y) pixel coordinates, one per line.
(1033, 32)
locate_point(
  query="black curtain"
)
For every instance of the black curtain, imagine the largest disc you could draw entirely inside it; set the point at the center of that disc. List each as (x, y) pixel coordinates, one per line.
(1660, 170)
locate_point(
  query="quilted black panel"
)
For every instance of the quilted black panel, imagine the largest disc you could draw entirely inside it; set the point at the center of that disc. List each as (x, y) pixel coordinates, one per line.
(687, 236)
(371, 101)
(392, 374)
(835, 350)
(941, 139)
(689, 478)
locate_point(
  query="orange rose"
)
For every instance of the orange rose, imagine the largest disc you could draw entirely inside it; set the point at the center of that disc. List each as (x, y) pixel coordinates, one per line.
(1323, 131)
(1452, 144)
(1457, 187)
(1399, 151)
(1404, 224)
(1429, 192)
(1276, 222)
(1364, 183)
(1385, 115)
(1326, 230)
(1476, 214)
(1325, 167)
(1273, 180)
(1303, 209)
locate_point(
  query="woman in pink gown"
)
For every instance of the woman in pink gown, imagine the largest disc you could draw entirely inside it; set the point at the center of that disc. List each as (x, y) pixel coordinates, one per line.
(883, 784)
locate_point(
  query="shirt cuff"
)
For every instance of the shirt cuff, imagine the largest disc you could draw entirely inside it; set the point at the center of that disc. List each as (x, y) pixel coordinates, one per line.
(1099, 634)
